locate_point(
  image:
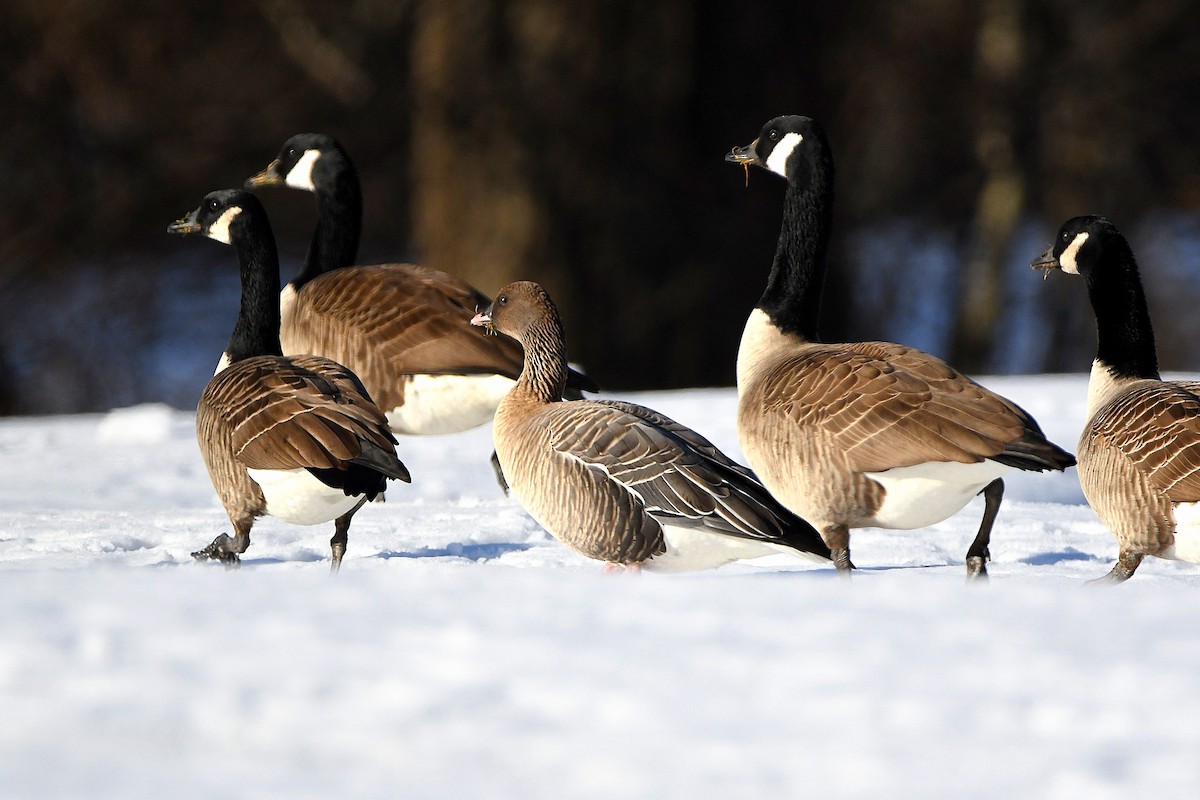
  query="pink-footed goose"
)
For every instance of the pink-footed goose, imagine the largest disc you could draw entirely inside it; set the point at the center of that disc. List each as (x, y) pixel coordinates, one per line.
(618, 482)
(861, 434)
(1139, 453)
(297, 438)
(400, 327)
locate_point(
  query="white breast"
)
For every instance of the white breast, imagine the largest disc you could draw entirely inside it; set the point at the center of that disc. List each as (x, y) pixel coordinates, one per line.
(448, 403)
(921, 495)
(296, 496)
(760, 340)
(1103, 386)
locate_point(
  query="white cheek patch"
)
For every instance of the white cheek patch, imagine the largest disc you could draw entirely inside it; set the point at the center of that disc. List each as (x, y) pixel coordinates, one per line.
(219, 230)
(777, 161)
(300, 176)
(1067, 259)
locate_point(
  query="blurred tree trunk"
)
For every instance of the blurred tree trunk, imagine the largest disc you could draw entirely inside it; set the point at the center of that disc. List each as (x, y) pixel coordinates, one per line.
(1000, 56)
(542, 150)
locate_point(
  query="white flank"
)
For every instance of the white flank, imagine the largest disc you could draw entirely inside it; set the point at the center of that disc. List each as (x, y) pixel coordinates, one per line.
(1067, 259)
(296, 496)
(300, 176)
(448, 403)
(219, 230)
(1187, 534)
(760, 338)
(223, 363)
(921, 495)
(692, 549)
(777, 161)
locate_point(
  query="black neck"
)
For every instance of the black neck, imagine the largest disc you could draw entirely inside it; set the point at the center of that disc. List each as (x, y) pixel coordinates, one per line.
(1124, 336)
(793, 295)
(544, 374)
(257, 330)
(339, 225)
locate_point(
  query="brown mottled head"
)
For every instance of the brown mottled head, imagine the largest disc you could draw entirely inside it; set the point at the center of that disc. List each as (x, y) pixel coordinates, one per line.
(519, 308)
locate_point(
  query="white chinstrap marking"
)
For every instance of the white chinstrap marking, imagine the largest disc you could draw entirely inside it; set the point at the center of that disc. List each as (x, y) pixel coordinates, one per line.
(300, 176)
(296, 496)
(777, 161)
(1068, 258)
(219, 230)
(928, 493)
(436, 404)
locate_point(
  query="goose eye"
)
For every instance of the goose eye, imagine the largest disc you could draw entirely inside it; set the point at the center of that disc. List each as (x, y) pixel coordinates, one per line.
(291, 152)
(502, 299)
(213, 205)
(773, 135)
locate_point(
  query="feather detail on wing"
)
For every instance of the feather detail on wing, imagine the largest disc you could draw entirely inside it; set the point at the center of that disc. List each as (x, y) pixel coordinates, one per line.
(674, 472)
(1155, 427)
(885, 406)
(302, 412)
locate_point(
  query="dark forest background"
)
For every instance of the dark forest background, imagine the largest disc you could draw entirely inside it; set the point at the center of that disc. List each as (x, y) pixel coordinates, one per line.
(581, 144)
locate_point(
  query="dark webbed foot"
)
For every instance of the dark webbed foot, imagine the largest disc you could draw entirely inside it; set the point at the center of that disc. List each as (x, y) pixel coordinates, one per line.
(841, 560)
(223, 549)
(977, 568)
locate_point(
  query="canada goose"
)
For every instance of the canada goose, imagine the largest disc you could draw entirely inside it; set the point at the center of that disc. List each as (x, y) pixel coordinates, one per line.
(863, 434)
(1139, 453)
(619, 482)
(401, 327)
(297, 438)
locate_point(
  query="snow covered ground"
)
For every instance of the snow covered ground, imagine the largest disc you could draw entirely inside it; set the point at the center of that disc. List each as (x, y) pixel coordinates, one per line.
(462, 653)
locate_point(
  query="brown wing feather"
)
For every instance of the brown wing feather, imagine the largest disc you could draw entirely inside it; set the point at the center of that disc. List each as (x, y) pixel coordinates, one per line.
(290, 413)
(886, 406)
(1156, 428)
(392, 320)
(674, 472)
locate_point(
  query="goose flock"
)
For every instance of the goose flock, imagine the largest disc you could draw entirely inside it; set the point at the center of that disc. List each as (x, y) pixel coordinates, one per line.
(318, 379)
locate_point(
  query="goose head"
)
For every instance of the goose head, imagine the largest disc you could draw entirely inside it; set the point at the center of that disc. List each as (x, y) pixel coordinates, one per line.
(517, 309)
(221, 216)
(1078, 246)
(789, 146)
(307, 161)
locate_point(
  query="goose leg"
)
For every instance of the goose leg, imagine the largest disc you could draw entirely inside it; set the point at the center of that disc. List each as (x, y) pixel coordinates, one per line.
(226, 548)
(1127, 564)
(341, 535)
(500, 479)
(978, 554)
(838, 539)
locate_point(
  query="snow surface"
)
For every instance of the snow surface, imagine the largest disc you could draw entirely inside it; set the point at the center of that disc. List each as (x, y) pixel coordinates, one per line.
(463, 653)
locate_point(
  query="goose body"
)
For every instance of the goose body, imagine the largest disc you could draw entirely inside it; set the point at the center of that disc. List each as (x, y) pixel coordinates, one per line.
(297, 438)
(619, 482)
(402, 328)
(860, 434)
(1139, 452)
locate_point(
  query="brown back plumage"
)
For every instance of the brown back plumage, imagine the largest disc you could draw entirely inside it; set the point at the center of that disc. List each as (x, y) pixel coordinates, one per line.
(279, 413)
(884, 405)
